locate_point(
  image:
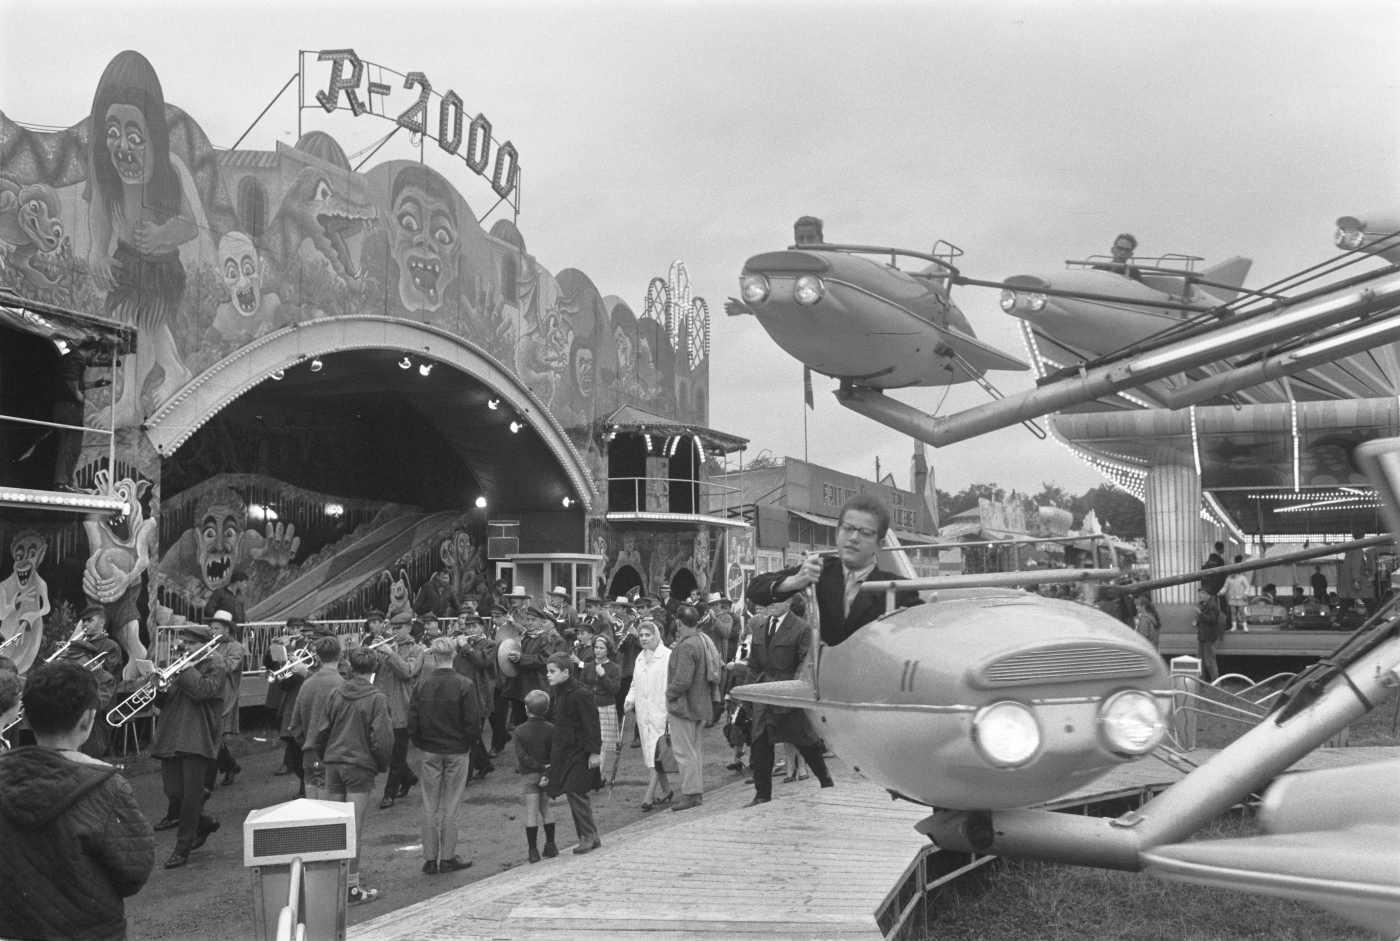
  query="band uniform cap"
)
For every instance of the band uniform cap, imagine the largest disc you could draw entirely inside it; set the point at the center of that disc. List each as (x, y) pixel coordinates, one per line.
(541, 613)
(90, 610)
(374, 614)
(198, 630)
(323, 630)
(498, 610)
(297, 623)
(403, 617)
(223, 617)
(470, 619)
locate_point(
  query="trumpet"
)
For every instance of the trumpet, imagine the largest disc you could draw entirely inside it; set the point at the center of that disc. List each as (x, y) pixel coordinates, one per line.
(303, 657)
(62, 649)
(95, 663)
(10, 641)
(145, 694)
(386, 639)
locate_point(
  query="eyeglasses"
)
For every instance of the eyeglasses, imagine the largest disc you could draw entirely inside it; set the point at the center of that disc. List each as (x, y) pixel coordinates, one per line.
(846, 530)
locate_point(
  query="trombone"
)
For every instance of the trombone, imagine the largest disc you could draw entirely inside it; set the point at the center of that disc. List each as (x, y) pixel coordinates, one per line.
(62, 649)
(145, 694)
(302, 657)
(93, 663)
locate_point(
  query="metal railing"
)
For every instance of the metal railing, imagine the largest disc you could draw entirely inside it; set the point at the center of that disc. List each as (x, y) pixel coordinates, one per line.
(258, 637)
(290, 927)
(671, 495)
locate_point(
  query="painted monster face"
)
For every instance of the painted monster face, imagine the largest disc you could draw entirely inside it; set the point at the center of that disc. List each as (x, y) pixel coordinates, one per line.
(129, 144)
(38, 216)
(425, 247)
(583, 371)
(28, 550)
(238, 265)
(219, 536)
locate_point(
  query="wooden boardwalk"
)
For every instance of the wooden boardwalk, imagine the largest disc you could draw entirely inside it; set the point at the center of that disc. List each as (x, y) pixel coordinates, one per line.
(812, 865)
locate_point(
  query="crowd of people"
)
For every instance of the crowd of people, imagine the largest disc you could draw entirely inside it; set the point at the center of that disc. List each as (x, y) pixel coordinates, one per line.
(568, 689)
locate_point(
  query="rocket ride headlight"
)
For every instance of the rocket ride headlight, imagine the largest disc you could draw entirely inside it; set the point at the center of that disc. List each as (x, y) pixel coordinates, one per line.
(1013, 300)
(753, 288)
(1006, 734)
(1130, 722)
(1008, 301)
(808, 290)
(1349, 239)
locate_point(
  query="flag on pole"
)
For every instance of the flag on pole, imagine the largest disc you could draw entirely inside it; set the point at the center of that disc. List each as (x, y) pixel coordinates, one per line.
(807, 386)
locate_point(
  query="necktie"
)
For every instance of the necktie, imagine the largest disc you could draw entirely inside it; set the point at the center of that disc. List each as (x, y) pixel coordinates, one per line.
(852, 589)
(772, 629)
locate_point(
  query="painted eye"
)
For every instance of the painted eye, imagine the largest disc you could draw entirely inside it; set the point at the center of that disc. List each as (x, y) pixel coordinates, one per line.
(210, 532)
(231, 270)
(135, 139)
(114, 133)
(443, 235)
(408, 222)
(323, 191)
(248, 268)
(57, 231)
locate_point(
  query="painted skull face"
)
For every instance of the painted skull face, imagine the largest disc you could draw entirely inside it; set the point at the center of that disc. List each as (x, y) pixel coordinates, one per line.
(128, 143)
(425, 247)
(238, 265)
(583, 371)
(220, 534)
(28, 550)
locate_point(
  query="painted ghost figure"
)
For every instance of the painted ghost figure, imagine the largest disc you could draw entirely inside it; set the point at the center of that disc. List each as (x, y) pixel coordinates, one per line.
(248, 313)
(423, 237)
(24, 600)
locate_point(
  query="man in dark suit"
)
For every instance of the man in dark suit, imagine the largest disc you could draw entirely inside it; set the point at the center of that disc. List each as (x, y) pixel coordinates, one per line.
(841, 607)
(781, 642)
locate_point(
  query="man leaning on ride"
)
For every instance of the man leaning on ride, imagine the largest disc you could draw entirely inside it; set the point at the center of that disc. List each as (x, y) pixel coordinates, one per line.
(841, 605)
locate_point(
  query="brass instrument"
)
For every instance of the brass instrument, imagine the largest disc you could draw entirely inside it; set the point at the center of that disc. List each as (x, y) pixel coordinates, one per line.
(62, 649)
(95, 663)
(303, 657)
(386, 639)
(10, 641)
(126, 710)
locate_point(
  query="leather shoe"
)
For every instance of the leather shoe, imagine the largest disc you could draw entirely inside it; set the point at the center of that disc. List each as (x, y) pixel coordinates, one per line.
(758, 800)
(430, 867)
(581, 848)
(167, 823)
(176, 860)
(534, 855)
(386, 803)
(551, 850)
(455, 864)
(228, 778)
(688, 801)
(735, 766)
(203, 832)
(284, 770)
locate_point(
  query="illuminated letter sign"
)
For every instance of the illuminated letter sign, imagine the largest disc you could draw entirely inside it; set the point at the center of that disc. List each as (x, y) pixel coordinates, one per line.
(506, 171)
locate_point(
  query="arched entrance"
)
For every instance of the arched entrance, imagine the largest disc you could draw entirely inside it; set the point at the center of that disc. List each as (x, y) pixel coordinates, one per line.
(624, 581)
(219, 385)
(682, 584)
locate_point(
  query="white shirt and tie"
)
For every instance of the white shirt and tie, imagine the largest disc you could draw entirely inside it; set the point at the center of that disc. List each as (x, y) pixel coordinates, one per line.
(854, 577)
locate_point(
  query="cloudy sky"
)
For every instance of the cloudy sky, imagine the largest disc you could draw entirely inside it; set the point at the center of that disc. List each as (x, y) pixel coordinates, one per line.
(1026, 133)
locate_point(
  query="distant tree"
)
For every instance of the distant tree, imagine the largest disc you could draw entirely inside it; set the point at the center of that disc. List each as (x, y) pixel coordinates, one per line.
(952, 504)
(1121, 514)
(1051, 495)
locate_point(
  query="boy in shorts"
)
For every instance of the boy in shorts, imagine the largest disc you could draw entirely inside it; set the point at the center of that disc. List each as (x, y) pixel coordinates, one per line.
(354, 740)
(533, 742)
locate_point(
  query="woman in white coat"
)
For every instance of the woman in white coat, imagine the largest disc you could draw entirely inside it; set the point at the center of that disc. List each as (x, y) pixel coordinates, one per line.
(647, 699)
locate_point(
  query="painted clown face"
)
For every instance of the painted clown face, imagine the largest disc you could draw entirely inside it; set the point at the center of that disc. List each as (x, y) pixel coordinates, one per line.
(425, 247)
(129, 144)
(583, 371)
(28, 550)
(238, 265)
(219, 536)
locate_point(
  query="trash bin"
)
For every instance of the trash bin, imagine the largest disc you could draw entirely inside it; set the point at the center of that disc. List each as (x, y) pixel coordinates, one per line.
(321, 835)
(1186, 683)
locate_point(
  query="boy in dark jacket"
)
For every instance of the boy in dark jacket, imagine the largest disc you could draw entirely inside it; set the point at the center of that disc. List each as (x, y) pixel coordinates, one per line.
(75, 842)
(576, 751)
(444, 719)
(354, 739)
(533, 742)
(1207, 632)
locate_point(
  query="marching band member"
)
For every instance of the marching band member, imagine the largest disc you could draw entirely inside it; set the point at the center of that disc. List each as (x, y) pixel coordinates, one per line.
(536, 644)
(185, 741)
(398, 664)
(476, 660)
(90, 640)
(289, 686)
(224, 627)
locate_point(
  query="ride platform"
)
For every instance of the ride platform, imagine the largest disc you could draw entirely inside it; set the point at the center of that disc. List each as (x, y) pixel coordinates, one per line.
(812, 864)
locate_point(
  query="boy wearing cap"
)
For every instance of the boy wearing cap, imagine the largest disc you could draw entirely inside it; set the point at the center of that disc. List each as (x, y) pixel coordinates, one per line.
(475, 659)
(394, 674)
(186, 742)
(75, 842)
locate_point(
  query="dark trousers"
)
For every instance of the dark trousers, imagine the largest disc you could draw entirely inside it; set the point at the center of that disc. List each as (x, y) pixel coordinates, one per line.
(400, 777)
(499, 716)
(761, 757)
(223, 764)
(70, 443)
(183, 778)
(291, 756)
(582, 809)
(481, 758)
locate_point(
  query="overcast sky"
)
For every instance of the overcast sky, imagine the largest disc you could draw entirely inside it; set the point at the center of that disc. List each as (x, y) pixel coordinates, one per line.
(1026, 133)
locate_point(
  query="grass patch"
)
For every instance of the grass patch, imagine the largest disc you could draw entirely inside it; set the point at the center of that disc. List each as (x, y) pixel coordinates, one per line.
(1024, 901)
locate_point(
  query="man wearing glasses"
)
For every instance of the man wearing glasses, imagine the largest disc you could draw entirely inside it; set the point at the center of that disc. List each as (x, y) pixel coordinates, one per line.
(841, 605)
(1123, 248)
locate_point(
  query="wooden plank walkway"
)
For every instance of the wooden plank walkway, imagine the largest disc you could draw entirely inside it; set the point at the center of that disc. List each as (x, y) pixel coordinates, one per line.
(812, 865)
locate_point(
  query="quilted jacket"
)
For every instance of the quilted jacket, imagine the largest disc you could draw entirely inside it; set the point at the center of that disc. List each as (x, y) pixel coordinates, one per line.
(75, 845)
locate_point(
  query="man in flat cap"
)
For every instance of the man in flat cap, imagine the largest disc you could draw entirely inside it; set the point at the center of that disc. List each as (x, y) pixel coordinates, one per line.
(395, 674)
(90, 640)
(186, 742)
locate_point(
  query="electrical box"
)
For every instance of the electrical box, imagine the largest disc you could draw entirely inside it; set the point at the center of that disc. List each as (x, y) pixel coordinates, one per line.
(322, 835)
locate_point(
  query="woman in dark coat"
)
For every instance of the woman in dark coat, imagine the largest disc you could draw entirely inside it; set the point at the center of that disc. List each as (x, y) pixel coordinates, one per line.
(577, 748)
